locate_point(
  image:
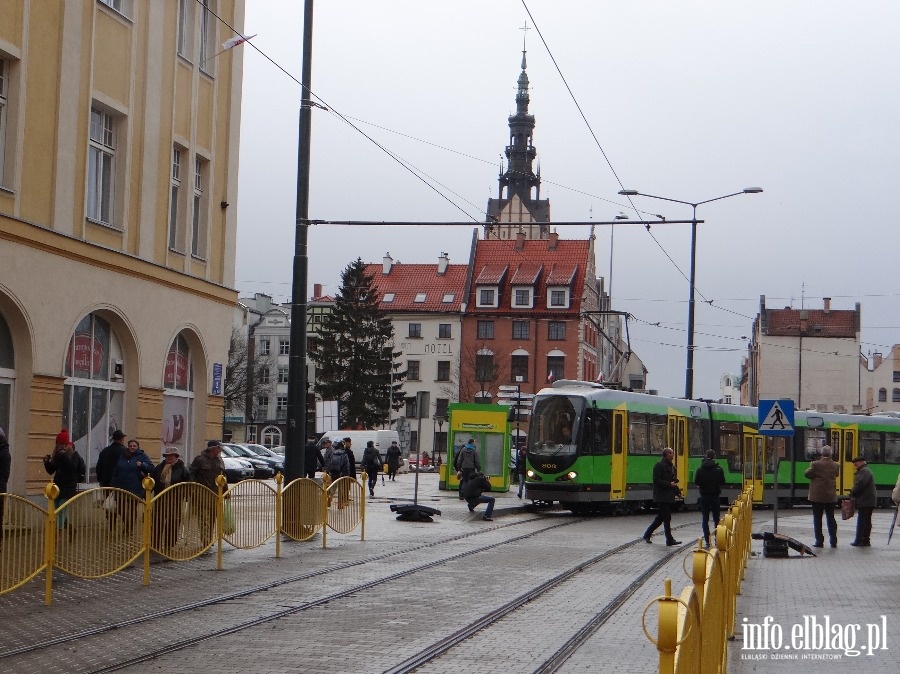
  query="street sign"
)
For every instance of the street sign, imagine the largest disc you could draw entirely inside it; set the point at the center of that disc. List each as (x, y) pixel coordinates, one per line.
(507, 387)
(776, 417)
(506, 395)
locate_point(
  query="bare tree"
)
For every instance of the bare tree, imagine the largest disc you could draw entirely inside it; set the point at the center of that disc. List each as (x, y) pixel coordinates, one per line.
(241, 379)
(477, 374)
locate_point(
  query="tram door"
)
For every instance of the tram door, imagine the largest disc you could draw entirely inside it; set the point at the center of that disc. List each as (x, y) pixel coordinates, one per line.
(678, 440)
(844, 444)
(619, 456)
(755, 464)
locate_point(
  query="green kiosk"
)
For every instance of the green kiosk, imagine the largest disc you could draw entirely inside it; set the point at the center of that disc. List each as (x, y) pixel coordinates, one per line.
(488, 426)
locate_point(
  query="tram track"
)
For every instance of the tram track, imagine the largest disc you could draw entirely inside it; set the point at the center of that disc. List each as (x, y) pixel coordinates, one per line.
(70, 638)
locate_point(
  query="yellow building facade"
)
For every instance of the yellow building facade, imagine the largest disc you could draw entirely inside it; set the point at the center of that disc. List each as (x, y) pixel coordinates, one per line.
(119, 129)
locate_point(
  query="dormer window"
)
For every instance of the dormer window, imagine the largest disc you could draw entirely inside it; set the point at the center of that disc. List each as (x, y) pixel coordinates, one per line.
(420, 297)
(487, 296)
(558, 297)
(388, 297)
(523, 298)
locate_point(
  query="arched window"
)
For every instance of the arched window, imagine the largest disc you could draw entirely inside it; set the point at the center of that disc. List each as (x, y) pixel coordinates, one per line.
(178, 397)
(7, 375)
(271, 436)
(882, 395)
(94, 390)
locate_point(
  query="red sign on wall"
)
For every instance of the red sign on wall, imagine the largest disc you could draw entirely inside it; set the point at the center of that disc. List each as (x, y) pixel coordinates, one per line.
(176, 372)
(88, 356)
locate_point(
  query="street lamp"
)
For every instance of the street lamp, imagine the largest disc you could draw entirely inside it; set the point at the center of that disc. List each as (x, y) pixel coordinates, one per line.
(438, 439)
(612, 232)
(689, 369)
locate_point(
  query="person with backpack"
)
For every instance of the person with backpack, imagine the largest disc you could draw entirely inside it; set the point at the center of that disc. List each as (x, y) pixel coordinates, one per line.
(466, 463)
(709, 479)
(338, 467)
(371, 462)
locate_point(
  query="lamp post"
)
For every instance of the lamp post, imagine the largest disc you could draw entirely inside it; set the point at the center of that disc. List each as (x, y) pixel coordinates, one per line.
(689, 368)
(438, 436)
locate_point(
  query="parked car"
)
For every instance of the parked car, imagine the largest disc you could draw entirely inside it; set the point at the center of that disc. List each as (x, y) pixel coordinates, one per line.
(278, 450)
(261, 469)
(276, 461)
(236, 469)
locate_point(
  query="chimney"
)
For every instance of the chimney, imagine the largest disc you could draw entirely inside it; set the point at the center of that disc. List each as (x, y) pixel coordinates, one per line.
(317, 290)
(878, 358)
(263, 302)
(520, 240)
(386, 264)
(827, 302)
(554, 238)
(443, 261)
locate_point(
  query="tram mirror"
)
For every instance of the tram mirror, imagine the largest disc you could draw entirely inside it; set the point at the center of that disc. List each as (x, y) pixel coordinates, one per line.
(815, 422)
(696, 410)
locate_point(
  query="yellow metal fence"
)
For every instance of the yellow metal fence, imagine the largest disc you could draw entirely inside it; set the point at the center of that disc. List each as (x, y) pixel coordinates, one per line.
(694, 628)
(102, 531)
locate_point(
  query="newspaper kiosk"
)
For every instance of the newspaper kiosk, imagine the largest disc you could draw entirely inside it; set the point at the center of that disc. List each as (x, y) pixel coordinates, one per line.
(488, 426)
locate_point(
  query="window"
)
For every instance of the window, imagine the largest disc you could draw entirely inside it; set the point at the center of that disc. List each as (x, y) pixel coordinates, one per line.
(882, 395)
(264, 347)
(558, 298)
(896, 375)
(264, 375)
(443, 370)
(283, 374)
(388, 297)
(284, 347)
(207, 35)
(485, 372)
(185, 26)
(412, 411)
(440, 408)
(262, 401)
(727, 400)
(485, 330)
(518, 367)
(420, 297)
(444, 331)
(101, 166)
(522, 297)
(415, 330)
(895, 395)
(448, 298)
(520, 329)
(117, 5)
(4, 104)
(412, 370)
(281, 407)
(178, 396)
(556, 330)
(555, 367)
(199, 222)
(487, 297)
(173, 204)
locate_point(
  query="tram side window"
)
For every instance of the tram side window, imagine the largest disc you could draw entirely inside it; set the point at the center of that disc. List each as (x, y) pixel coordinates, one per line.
(812, 444)
(638, 438)
(891, 448)
(697, 437)
(730, 445)
(658, 429)
(870, 446)
(597, 434)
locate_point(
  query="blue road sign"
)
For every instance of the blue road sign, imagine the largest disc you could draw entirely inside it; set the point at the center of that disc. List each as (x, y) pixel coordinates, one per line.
(776, 417)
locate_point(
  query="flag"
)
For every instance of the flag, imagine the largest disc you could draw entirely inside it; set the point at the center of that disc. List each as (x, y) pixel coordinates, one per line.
(550, 377)
(236, 40)
(599, 377)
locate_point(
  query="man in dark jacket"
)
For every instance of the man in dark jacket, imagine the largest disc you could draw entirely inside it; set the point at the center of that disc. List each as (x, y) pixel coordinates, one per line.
(709, 479)
(823, 474)
(312, 459)
(109, 457)
(665, 485)
(466, 463)
(473, 491)
(865, 495)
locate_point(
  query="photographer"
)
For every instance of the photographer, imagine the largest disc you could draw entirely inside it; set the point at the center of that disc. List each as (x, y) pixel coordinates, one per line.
(68, 469)
(665, 491)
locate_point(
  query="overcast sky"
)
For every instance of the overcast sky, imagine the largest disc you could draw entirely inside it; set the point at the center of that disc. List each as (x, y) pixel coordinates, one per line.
(689, 100)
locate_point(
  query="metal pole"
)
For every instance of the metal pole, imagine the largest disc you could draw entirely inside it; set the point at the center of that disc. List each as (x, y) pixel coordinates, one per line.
(296, 412)
(689, 369)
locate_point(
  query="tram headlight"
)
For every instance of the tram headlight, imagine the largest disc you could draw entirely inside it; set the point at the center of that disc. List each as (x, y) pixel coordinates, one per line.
(531, 475)
(566, 477)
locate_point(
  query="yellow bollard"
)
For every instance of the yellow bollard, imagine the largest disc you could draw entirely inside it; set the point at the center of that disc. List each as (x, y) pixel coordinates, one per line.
(362, 505)
(51, 491)
(221, 483)
(667, 634)
(147, 483)
(326, 499)
(279, 504)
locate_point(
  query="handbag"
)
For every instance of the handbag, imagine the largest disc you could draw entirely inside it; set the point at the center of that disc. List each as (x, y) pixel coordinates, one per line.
(228, 519)
(848, 508)
(109, 503)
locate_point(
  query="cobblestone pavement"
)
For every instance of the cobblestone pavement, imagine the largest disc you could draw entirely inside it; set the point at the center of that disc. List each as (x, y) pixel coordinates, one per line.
(379, 624)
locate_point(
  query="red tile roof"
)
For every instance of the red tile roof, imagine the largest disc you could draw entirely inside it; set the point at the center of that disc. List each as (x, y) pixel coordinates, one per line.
(491, 274)
(819, 323)
(526, 273)
(564, 264)
(408, 280)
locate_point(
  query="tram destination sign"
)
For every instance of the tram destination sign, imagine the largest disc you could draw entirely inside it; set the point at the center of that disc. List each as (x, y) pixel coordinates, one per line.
(776, 417)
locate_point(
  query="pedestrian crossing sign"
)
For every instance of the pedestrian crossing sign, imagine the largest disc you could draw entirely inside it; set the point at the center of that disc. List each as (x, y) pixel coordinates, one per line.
(776, 417)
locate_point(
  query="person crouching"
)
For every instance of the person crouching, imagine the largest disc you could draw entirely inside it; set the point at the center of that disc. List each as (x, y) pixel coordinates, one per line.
(473, 491)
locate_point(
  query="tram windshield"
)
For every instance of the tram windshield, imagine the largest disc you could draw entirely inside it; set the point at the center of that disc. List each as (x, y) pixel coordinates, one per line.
(555, 425)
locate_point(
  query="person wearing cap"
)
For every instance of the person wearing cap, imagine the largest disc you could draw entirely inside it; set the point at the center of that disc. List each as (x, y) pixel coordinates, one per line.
(68, 469)
(709, 479)
(109, 457)
(5, 466)
(864, 494)
(167, 510)
(208, 465)
(665, 487)
(823, 474)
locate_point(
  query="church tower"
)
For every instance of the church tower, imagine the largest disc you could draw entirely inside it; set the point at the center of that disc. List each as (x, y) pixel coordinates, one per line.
(519, 207)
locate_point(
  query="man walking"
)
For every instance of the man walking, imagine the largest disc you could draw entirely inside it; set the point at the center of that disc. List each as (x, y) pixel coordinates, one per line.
(709, 480)
(822, 475)
(665, 485)
(865, 495)
(466, 464)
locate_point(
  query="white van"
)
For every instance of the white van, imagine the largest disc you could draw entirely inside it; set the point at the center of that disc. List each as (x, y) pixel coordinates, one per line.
(381, 438)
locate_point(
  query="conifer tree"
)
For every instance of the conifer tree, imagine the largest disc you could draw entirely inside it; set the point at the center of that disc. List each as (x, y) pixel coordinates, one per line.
(355, 362)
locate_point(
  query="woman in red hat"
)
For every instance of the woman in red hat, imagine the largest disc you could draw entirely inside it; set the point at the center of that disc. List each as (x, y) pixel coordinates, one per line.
(68, 469)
